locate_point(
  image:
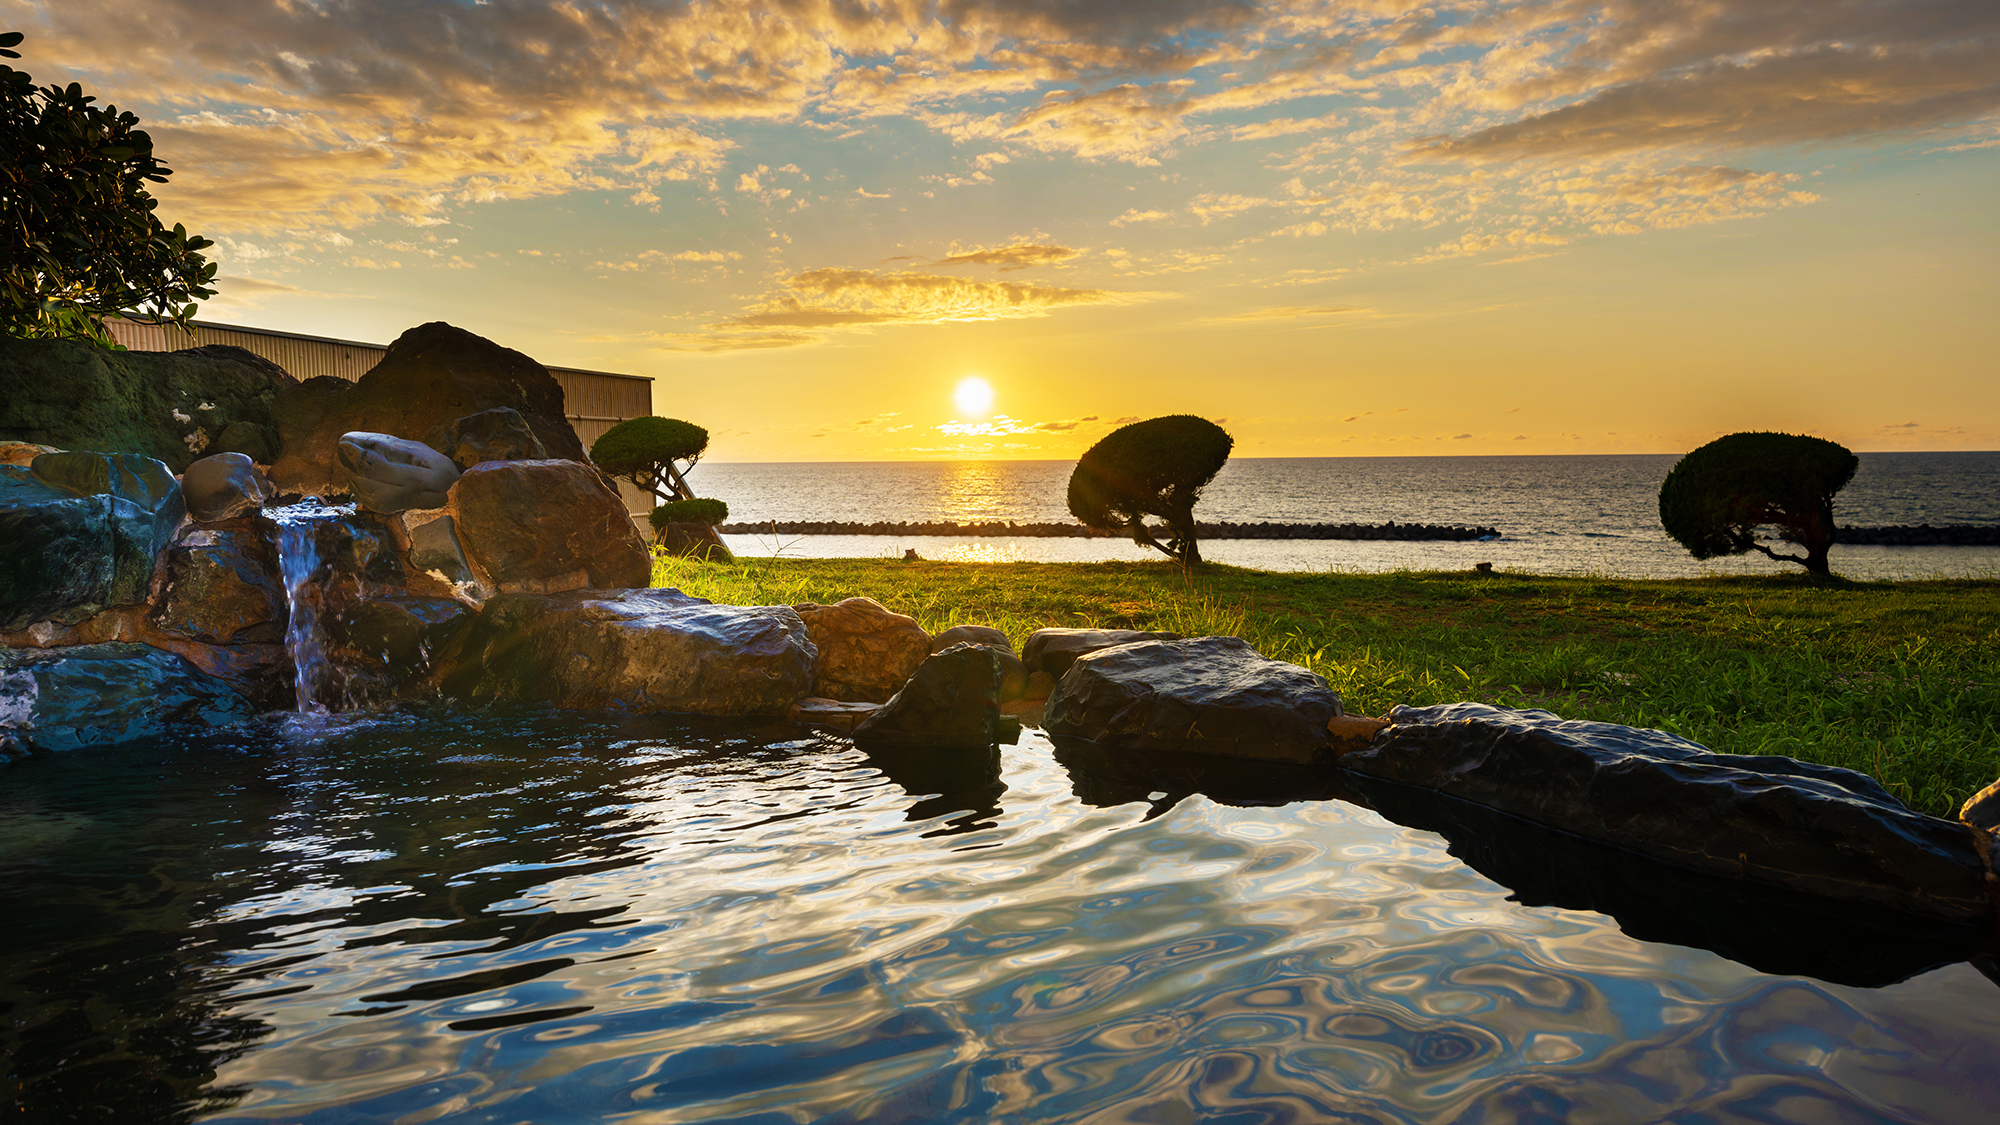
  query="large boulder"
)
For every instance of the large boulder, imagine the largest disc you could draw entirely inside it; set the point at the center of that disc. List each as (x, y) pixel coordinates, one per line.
(82, 531)
(1013, 674)
(1054, 650)
(866, 650)
(100, 695)
(1818, 829)
(388, 474)
(174, 407)
(499, 434)
(545, 527)
(224, 486)
(640, 650)
(222, 587)
(1206, 695)
(433, 374)
(952, 701)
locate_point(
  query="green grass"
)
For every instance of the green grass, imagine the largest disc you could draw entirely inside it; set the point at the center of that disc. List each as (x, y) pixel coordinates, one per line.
(1897, 680)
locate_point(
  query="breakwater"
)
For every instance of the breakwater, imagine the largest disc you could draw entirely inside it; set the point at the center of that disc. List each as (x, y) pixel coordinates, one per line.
(1389, 530)
(1922, 535)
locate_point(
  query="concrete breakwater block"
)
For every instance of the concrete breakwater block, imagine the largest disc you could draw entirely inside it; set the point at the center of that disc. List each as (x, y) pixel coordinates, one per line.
(1815, 829)
(1203, 695)
(640, 650)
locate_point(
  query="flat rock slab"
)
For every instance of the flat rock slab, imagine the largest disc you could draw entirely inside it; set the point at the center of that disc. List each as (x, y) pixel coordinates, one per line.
(1204, 695)
(1054, 650)
(837, 714)
(1816, 829)
(104, 694)
(639, 650)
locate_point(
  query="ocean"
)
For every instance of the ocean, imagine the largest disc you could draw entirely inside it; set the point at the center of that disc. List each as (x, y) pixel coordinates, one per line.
(1581, 514)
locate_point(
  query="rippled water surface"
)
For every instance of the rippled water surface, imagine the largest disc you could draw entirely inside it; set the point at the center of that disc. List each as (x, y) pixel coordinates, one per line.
(557, 919)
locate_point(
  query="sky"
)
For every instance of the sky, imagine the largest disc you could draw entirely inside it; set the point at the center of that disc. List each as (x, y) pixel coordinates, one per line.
(1339, 229)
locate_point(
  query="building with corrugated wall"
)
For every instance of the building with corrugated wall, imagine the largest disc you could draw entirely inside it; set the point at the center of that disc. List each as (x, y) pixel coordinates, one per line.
(593, 401)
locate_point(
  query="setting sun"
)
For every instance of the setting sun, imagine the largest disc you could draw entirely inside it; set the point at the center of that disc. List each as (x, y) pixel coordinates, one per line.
(974, 397)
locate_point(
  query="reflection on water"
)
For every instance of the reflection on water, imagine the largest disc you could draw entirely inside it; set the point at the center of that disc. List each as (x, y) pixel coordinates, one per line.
(571, 919)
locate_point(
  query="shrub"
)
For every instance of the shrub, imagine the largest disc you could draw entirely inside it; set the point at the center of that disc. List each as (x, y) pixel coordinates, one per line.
(700, 510)
(1156, 467)
(1717, 497)
(78, 237)
(645, 451)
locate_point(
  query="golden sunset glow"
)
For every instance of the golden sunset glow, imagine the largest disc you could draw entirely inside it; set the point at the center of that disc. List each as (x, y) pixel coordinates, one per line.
(974, 397)
(1500, 226)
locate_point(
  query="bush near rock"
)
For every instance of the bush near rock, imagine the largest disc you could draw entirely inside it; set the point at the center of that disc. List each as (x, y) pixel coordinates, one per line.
(104, 694)
(952, 701)
(545, 527)
(432, 374)
(1206, 695)
(174, 407)
(866, 651)
(223, 487)
(1818, 829)
(1054, 650)
(82, 531)
(640, 650)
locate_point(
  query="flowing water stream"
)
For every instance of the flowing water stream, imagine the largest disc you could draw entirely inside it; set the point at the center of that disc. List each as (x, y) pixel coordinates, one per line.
(572, 917)
(300, 566)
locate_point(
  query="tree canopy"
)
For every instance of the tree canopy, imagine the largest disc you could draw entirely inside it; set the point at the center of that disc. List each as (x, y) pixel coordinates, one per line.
(1156, 467)
(653, 453)
(1715, 498)
(78, 237)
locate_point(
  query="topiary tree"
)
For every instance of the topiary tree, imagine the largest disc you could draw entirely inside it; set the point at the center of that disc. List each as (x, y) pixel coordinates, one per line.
(1717, 497)
(1156, 467)
(646, 451)
(78, 237)
(710, 512)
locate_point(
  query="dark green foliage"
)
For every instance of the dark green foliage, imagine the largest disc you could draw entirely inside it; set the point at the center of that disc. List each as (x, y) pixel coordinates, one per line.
(644, 451)
(700, 510)
(78, 237)
(1717, 497)
(1156, 467)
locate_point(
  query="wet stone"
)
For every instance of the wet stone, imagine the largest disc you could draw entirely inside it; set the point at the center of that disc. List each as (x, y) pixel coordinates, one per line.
(105, 694)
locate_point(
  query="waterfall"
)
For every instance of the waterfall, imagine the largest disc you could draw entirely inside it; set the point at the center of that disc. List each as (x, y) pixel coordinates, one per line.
(298, 563)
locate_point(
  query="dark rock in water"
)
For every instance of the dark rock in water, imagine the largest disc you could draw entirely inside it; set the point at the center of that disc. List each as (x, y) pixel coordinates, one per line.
(1770, 928)
(389, 474)
(499, 434)
(99, 695)
(82, 531)
(952, 701)
(1054, 650)
(1205, 695)
(224, 486)
(642, 650)
(1815, 829)
(866, 650)
(222, 587)
(433, 374)
(170, 406)
(546, 527)
(1013, 674)
(696, 541)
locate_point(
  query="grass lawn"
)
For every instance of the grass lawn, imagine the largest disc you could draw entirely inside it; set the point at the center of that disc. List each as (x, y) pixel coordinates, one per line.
(1897, 680)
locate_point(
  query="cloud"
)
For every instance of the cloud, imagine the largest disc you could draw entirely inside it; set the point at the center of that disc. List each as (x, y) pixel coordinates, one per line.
(1293, 312)
(651, 259)
(1019, 256)
(834, 298)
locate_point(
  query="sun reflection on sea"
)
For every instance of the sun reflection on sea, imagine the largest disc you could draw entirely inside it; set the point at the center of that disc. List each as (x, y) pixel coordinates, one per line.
(970, 492)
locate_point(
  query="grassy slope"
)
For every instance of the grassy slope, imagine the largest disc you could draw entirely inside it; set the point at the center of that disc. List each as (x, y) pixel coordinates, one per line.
(1901, 681)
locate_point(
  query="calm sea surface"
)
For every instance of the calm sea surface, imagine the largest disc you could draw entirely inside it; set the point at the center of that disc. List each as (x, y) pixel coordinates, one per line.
(579, 918)
(1556, 515)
